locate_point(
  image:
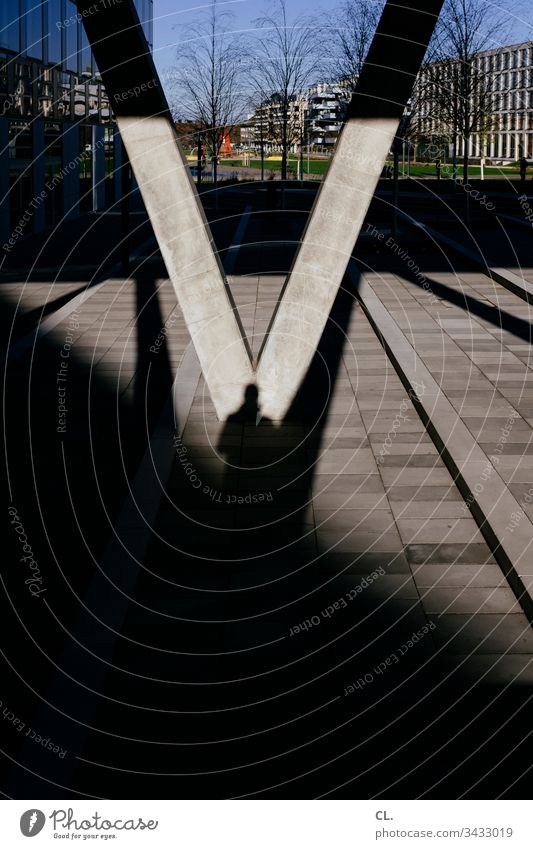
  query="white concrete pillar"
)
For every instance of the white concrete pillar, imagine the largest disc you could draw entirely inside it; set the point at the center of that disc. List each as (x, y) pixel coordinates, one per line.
(321, 262)
(190, 256)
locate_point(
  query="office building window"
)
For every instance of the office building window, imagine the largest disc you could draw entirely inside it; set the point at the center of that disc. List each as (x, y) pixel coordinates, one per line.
(85, 54)
(10, 24)
(54, 31)
(71, 33)
(34, 29)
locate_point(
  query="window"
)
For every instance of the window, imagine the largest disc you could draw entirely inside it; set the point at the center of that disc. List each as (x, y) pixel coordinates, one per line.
(54, 31)
(10, 24)
(34, 29)
(85, 54)
(71, 34)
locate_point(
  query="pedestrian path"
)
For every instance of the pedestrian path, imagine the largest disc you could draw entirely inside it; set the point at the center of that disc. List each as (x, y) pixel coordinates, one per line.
(309, 586)
(477, 365)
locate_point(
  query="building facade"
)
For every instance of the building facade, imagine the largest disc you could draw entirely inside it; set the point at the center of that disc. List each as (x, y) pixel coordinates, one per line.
(505, 130)
(314, 119)
(504, 133)
(59, 153)
(325, 114)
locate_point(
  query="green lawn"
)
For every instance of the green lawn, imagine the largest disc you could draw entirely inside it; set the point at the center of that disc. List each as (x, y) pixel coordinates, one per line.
(428, 170)
(319, 166)
(316, 166)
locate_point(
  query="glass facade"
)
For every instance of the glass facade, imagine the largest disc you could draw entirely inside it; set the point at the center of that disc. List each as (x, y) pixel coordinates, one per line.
(48, 31)
(55, 106)
(10, 25)
(34, 27)
(54, 37)
(70, 35)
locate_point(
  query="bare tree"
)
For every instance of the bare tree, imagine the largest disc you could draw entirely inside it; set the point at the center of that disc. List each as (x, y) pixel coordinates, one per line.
(258, 102)
(207, 79)
(285, 64)
(351, 34)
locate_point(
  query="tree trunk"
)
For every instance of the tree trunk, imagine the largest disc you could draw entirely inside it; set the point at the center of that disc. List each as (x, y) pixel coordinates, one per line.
(454, 162)
(284, 148)
(199, 163)
(262, 154)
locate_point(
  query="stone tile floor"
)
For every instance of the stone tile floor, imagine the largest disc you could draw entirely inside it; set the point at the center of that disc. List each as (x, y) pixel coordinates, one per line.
(343, 516)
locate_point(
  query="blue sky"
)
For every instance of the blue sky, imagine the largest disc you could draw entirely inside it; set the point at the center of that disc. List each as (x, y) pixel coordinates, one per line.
(170, 16)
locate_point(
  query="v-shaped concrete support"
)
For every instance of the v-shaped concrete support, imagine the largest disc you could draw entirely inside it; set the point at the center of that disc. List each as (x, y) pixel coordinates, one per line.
(182, 231)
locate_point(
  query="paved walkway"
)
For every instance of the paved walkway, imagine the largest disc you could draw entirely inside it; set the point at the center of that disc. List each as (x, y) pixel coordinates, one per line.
(295, 608)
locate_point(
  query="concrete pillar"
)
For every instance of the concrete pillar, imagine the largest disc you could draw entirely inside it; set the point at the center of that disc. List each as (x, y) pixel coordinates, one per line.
(192, 263)
(70, 186)
(98, 158)
(181, 228)
(5, 205)
(342, 202)
(37, 173)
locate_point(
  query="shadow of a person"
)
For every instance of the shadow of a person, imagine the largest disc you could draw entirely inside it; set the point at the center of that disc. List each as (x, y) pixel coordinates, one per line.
(233, 442)
(263, 481)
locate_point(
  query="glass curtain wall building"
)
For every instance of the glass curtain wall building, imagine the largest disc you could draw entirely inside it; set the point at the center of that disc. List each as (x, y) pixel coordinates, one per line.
(54, 112)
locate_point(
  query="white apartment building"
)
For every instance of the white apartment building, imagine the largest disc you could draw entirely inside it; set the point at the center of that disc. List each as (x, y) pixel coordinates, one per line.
(325, 112)
(314, 118)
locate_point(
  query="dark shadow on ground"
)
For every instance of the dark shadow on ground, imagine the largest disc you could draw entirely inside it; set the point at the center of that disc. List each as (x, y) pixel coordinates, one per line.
(230, 629)
(220, 687)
